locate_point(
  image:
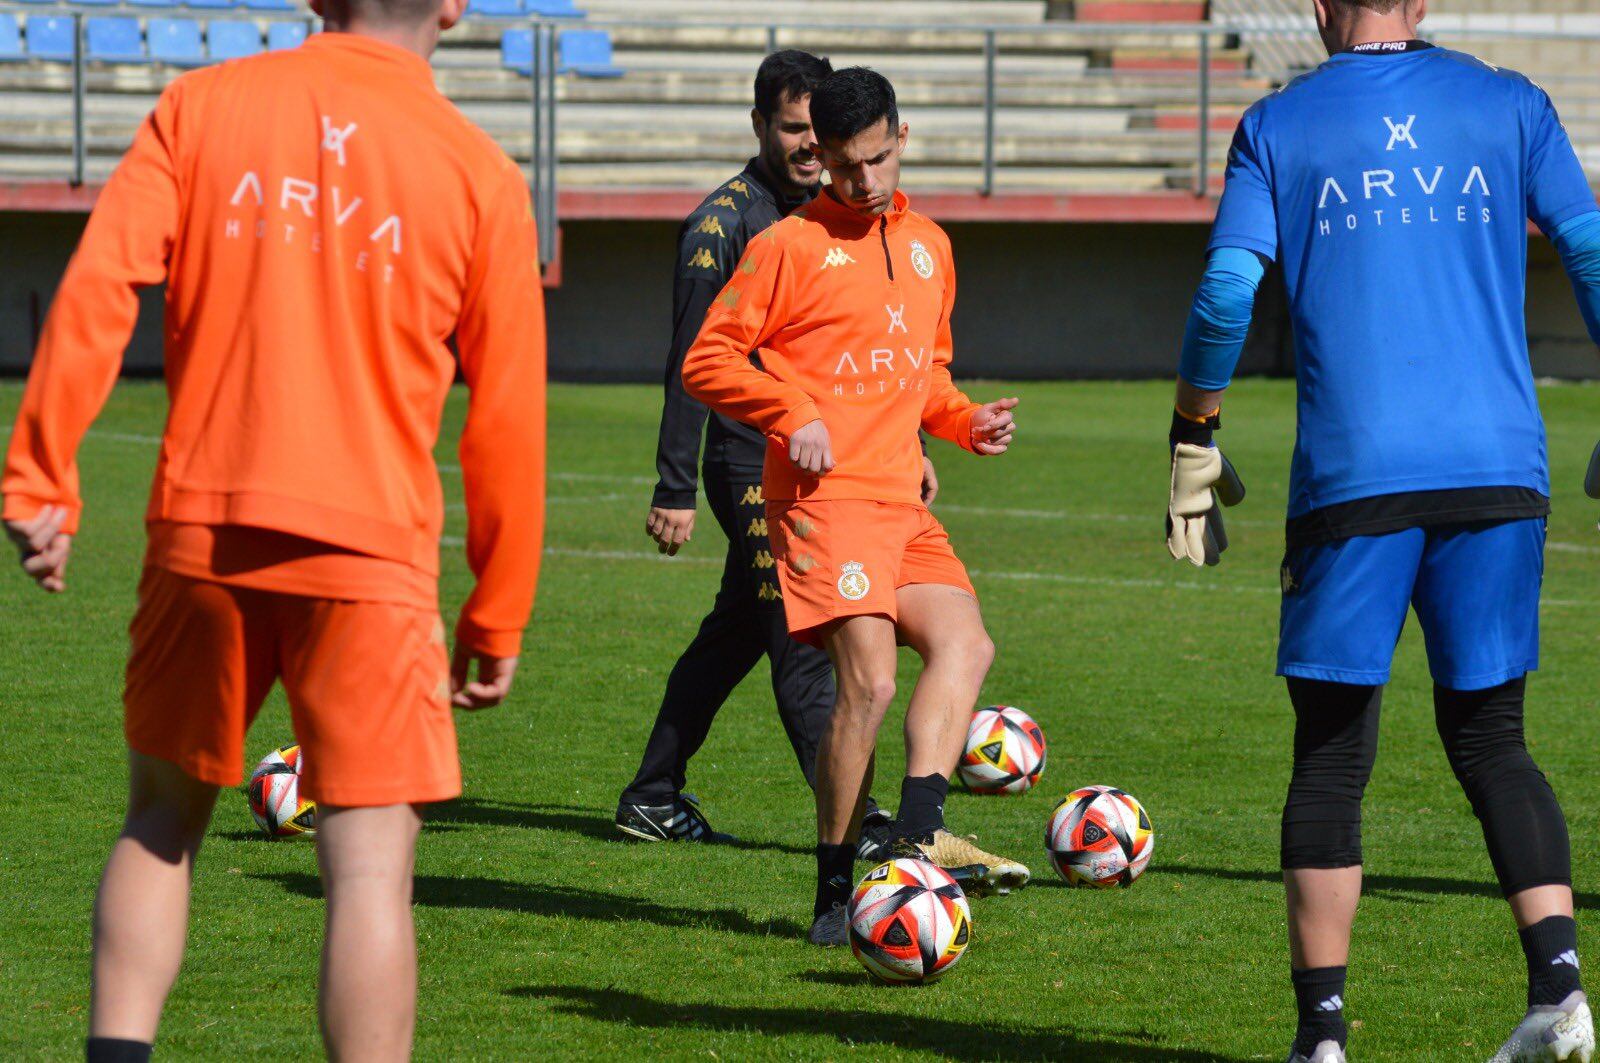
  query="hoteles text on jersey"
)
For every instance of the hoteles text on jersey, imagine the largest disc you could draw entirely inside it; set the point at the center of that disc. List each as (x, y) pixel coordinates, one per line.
(852, 318)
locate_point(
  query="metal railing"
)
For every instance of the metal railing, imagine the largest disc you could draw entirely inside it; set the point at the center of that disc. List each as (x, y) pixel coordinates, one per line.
(990, 45)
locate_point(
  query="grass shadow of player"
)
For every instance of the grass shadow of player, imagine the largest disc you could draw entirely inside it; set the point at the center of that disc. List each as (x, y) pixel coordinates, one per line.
(568, 902)
(571, 819)
(1404, 888)
(945, 1038)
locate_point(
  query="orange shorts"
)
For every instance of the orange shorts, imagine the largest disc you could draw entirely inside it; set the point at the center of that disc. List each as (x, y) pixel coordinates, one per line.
(847, 557)
(368, 686)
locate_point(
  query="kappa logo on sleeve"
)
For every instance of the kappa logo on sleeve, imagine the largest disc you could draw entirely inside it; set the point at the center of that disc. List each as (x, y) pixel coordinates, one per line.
(725, 201)
(711, 226)
(739, 187)
(701, 259)
(836, 257)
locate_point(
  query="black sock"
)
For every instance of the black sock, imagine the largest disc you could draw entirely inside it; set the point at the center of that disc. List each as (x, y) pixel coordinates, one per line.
(1551, 946)
(921, 805)
(834, 865)
(115, 1050)
(1319, 997)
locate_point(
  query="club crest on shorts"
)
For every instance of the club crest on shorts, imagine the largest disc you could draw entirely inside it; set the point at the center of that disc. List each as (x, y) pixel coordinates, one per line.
(921, 260)
(854, 584)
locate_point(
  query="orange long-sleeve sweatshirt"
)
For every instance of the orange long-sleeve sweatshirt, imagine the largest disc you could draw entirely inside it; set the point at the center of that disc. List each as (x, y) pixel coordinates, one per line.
(325, 221)
(852, 320)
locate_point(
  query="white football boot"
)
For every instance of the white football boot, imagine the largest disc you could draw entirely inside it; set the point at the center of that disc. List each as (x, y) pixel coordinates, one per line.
(1563, 1031)
(1325, 1052)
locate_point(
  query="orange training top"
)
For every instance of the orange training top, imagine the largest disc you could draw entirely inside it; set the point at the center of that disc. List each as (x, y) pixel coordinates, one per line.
(852, 318)
(325, 221)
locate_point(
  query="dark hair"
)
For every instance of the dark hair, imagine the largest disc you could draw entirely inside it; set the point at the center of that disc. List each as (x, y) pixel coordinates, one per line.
(1382, 7)
(790, 73)
(850, 101)
(383, 12)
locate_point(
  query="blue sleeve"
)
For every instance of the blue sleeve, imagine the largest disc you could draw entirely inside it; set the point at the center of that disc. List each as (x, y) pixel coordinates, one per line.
(1558, 189)
(1219, 321)
(1246, 217)
(1577, 240)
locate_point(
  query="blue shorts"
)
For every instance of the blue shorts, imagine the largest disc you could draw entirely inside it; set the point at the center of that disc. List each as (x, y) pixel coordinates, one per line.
(1475, 588)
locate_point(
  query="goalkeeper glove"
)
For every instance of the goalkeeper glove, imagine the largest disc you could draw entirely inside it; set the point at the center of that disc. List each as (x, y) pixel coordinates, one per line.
(1203, 481)
(1591, 479)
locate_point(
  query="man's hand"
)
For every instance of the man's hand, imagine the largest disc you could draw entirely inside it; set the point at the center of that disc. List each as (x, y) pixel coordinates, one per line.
(670, 528)
(1591, 478)
(491, 686)
(811, 450)
(1202, 482)
(993, 427)
(930, 481)
(43, 547)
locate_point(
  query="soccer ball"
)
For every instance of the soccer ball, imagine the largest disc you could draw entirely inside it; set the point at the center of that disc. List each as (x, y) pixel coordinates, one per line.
(274, 791)
(1005, 752)
(1099, 836)
(909, 922)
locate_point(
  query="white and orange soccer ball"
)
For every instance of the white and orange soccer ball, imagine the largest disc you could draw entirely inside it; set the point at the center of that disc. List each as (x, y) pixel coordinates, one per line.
(909, 921)
(274, 792)
(1004, 753)
(1099, 836)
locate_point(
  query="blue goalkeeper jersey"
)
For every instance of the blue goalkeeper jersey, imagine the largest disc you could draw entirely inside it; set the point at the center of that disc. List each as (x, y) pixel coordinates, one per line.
(1395, 186)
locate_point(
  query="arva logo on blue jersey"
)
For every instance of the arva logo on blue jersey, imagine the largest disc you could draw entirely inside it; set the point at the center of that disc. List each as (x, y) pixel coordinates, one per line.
(1374, 212)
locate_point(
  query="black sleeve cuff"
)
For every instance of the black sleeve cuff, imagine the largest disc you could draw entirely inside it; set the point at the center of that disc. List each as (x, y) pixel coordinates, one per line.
(668, 498)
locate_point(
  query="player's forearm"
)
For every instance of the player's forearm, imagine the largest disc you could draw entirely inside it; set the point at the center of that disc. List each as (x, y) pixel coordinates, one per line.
(948, 412)
(503, 472)
(1219, 323)
(683, 418)
(1578, 243)
(717, 371)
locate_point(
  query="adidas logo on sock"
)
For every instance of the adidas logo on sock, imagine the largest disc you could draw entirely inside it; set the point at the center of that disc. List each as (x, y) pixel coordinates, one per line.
(1333, 1003)
(1570, 956)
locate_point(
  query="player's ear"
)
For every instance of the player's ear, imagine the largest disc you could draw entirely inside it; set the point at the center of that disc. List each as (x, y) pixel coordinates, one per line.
(758, 125)
(450, 13)
(902, 136)
(1419, 11)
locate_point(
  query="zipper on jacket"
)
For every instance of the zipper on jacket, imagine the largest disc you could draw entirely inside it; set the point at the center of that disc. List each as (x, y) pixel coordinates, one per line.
(883, 233)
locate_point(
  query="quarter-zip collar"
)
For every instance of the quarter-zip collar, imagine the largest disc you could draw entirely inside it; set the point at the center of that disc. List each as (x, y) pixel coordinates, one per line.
(830, 211)
(755, 173)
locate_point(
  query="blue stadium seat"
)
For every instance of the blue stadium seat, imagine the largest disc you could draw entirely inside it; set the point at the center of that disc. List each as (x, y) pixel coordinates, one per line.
(49, 2)
(94, 3)
(50, 37)
(116, 39)
(283, 35)
(211, 5)
(553, 9)
(516, 51)
(494, 8)
(155, 3)
(271, 5)
(176, 41)
(587, 53)
(10, 38)
(226, 39)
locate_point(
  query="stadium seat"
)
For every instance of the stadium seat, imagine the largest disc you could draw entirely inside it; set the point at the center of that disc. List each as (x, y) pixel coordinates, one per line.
(93, 3)
(10, 38)
(554, 9)
(155, 3)
(50, 37)
(211, 5)
(587, 53)
(232, 40)
(271, 5)
(283, 35)
(516, 51)
(114, 39)
(176, 41)
(494, 8)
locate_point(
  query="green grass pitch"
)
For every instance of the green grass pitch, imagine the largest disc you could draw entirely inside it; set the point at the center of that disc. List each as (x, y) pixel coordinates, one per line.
(542, 936)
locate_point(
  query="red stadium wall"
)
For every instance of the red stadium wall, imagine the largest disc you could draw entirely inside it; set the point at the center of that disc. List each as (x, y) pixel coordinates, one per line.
(1038, 299)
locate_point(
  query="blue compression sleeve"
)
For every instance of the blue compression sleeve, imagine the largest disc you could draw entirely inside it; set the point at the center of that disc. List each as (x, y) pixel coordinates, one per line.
(1577, 240)
(1219, 321)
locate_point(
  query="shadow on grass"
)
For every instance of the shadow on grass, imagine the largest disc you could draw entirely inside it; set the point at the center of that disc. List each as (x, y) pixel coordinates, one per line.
(570, 902)
(570, 819)
(1390, 887)
(941, 1037)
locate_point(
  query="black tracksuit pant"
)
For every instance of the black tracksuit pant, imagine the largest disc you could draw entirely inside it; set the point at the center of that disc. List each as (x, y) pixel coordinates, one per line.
(745, 623)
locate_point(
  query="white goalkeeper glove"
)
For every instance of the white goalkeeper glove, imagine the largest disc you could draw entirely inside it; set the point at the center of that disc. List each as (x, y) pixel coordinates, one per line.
(1202, 482)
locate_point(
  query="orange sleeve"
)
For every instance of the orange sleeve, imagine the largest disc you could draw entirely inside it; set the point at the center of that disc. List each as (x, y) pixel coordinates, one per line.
(948, 412)
(124, 248)
(753, 306)
(501, 339)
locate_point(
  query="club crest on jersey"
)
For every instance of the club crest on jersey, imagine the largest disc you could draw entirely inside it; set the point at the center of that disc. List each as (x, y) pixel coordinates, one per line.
(836, 257)
(853, 584)
(921, 260)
